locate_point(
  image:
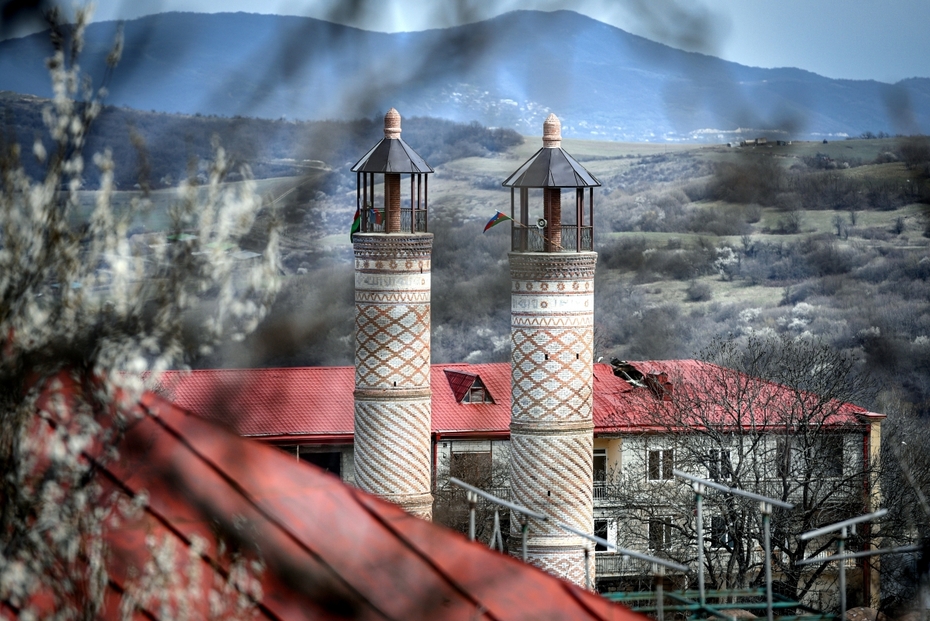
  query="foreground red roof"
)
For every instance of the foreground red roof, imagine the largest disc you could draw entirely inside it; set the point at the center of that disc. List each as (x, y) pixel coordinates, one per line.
(330, 551)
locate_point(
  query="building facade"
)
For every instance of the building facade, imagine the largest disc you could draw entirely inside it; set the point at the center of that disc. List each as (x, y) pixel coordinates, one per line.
(636, 501)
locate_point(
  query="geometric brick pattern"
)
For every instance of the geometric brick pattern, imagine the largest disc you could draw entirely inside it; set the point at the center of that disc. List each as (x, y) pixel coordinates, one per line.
(568, 565)
(392, 368)
(551, 431)
(391, 343)
(401, 474)
(562, 489)
(551, 374)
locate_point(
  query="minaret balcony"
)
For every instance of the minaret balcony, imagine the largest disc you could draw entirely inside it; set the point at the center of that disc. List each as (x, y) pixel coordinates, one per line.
(574, 238)
(411, 221)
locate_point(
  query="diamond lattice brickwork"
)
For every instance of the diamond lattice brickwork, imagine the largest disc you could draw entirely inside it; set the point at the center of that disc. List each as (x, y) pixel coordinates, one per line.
(392, 345)
(552, 372)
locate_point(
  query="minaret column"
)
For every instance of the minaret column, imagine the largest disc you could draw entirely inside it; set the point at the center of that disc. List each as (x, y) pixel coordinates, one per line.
(392, 328)
(551, 431)
(392, 368)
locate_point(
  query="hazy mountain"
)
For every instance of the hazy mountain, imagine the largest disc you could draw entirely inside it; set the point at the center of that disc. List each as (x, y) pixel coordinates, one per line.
(507, 71)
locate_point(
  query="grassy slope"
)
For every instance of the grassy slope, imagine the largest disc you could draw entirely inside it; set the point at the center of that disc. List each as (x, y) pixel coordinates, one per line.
(640, 314)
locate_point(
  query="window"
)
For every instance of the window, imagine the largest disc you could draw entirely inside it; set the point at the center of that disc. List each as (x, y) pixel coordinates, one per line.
(600, 473)
(783, 457)
(468, 387)
(473, 468)
(477, 393)
(719, 466)
(600, 530)
(719, 533)
(330, 461)
(661, 463)
(660, 533)
(600, 465)
(290, 449)
(827, 455)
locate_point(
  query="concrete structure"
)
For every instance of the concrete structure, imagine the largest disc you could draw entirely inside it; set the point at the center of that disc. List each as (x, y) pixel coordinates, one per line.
(392, 328)
(552, 340)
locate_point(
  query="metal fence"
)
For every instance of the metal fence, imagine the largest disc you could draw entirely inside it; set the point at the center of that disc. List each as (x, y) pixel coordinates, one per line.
(370, 222)
(531, 239)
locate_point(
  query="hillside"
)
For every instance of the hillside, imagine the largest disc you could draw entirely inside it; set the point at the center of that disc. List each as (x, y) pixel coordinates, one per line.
(158, 150)
(509, 71)
(695, 244)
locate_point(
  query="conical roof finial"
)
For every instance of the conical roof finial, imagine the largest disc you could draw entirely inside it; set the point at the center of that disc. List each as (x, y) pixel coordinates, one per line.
(392, 124)
(552, 132)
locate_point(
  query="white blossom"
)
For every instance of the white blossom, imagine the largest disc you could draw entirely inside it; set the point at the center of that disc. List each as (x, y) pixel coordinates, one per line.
(76, 299)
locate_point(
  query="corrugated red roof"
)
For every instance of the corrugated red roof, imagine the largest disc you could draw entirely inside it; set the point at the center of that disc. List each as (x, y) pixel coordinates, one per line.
(330, 551)
(303, 401)
(696, 385)
(460, 382)
(317, 401)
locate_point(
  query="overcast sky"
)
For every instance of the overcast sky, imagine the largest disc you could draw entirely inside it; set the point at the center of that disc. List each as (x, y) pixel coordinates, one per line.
(884, 40)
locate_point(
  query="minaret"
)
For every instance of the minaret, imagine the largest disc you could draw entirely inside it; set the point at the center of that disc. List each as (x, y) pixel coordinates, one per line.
(392, 327)
(552, 334)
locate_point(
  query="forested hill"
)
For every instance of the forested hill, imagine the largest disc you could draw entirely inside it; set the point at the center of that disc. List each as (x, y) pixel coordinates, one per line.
(161, 149)
(509, 71)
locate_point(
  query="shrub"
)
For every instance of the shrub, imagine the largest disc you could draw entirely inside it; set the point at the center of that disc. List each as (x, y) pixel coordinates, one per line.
(698, 292)
(719, 221)
(759, 180)
(789, 223)
(625, 253)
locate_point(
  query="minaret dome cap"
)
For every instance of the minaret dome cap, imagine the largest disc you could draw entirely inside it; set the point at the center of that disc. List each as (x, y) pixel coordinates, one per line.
(392, 124)
(552, 132)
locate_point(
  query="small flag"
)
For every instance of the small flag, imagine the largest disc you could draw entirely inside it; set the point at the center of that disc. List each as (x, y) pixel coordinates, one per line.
(376, 216)
(356, 225)
(497, 218)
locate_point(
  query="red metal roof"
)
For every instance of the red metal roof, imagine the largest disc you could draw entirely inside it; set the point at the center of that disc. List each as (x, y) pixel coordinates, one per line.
(317, 401)
(699, 385)
(304, 401)
(330, 551)
(459, 382)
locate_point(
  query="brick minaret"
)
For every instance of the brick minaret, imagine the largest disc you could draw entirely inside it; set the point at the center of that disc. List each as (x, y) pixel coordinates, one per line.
(552, 333)
(392, 327)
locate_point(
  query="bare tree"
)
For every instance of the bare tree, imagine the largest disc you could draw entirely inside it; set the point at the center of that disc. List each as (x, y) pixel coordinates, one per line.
(450, 504)
(905, 489)
(772, 416)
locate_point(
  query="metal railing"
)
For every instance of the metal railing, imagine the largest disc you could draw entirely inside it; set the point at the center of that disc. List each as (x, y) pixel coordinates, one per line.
(531, 239)
(613, 565)
(370, 222)
(523, 514)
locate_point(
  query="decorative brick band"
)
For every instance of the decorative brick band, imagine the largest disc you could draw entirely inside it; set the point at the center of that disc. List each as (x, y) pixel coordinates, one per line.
(565, 563)
(392, 368)
(539, 267)
(397, 252)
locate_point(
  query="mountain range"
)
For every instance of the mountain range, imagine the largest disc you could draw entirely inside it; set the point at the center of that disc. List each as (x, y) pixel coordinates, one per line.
(509, 71)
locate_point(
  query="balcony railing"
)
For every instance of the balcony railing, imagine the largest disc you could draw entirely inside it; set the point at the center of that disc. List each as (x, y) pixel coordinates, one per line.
(610, 564)
(370, 224)
(531, 239)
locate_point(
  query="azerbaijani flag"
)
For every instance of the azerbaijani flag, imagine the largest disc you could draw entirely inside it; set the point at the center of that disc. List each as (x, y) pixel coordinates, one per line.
(356, 225)
(497, 218)
(376, 216)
